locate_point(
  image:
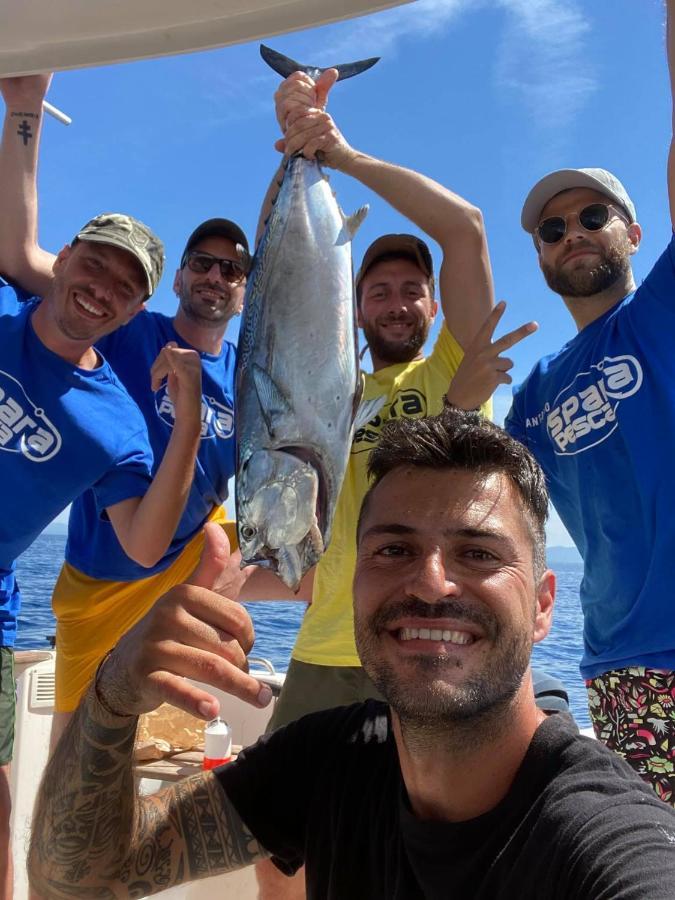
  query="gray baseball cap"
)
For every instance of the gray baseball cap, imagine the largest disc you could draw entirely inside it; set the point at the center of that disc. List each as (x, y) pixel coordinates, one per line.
(127, 233)
(597, 179)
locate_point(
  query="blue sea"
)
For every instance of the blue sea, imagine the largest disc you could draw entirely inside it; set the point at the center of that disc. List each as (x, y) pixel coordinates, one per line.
(276, 624)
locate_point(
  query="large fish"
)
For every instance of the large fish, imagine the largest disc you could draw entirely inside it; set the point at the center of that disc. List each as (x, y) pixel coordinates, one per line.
(298, 380)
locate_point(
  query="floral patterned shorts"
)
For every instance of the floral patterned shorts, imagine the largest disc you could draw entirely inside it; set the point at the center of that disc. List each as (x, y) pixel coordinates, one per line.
(633, 713)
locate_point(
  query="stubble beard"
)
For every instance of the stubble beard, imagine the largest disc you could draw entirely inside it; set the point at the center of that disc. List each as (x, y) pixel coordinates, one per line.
(393, 352)
(431, 709)
(614, 264)
(199, 312)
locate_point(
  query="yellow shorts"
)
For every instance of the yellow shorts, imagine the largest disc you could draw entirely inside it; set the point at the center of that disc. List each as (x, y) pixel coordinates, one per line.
(92, 614)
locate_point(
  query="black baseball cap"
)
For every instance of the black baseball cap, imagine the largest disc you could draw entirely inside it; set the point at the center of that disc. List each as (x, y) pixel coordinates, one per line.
(218, 228)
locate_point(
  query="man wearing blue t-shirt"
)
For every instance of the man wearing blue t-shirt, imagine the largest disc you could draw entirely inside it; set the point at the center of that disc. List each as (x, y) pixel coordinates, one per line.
(67, 424)
(101, 591)
(590, 414)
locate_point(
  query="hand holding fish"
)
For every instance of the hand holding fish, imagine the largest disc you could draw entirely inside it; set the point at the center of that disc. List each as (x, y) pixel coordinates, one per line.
(182, 370)
(483, 367)
(312, 132)
(299, 91)
(191, 632)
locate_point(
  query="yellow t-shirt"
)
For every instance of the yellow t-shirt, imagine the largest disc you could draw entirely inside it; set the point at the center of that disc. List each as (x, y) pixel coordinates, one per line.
(415, 389)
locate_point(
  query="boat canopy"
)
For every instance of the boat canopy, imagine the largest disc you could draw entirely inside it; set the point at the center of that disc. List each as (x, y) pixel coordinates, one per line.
(51, 35)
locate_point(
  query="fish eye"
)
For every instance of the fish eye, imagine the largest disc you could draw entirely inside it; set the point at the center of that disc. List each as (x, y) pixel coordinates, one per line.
(247, 532)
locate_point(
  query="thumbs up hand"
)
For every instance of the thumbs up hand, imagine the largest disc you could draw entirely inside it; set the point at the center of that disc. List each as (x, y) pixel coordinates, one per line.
(190, 632)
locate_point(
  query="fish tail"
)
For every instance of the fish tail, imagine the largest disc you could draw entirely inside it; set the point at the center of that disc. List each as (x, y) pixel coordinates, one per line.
(285, 66)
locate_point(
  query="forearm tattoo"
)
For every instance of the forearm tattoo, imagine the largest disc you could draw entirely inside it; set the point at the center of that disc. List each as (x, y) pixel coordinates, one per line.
(25, 131)
(93, 837)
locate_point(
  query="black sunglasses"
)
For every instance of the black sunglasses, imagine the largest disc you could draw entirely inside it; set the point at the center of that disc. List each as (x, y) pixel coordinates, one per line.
(231, 269)
(593, 218)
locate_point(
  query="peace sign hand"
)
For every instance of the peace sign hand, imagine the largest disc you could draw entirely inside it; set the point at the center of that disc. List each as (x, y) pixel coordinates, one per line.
(483, 368)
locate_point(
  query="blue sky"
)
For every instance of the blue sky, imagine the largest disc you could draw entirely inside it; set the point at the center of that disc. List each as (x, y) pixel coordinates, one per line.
(483, 95)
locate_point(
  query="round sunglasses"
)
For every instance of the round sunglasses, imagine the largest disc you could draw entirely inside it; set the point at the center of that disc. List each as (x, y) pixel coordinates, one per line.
(231, 269)
(593, 218)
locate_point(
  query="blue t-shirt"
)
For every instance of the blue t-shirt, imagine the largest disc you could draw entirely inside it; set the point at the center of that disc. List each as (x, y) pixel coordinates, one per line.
(599, 416)
(92, 545)
(63, 430)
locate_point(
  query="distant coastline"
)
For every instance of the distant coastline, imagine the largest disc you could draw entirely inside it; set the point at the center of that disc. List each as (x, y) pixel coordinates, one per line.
(556, 556)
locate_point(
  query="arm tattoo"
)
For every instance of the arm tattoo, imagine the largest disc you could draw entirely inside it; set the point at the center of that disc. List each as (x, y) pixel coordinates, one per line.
(24, 130)
(93, 837)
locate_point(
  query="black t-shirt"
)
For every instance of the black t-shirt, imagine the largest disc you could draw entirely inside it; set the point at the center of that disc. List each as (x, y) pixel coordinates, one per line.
(577, 823)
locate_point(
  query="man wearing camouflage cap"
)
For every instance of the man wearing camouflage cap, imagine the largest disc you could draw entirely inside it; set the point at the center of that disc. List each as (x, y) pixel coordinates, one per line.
(67, 424)
(101, 590)
(600, 417)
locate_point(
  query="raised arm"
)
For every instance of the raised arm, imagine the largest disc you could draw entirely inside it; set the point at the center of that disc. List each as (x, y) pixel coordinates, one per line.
(465, 281)
(21, 259)
(145, 526)
(92, 835)
(670, 41)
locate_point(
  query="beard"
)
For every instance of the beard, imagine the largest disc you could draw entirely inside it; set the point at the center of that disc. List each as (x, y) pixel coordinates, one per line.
(203, 313)
(612, 265)
(393, 352)
(428, 702)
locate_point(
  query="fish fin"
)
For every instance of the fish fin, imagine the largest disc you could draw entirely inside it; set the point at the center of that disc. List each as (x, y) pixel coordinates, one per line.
(289, 567)
(350, 225)
(367, 410)
(285, 66)
(272, 401)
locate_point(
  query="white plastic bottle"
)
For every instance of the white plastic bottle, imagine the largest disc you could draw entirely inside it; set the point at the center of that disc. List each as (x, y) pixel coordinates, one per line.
(217, 743)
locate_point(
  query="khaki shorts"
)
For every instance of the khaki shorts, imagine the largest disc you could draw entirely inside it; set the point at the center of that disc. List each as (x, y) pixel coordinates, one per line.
(309, 688)
(7, 705)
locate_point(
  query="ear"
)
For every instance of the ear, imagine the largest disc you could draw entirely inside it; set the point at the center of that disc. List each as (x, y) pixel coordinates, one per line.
(634, 233)
(434, 309)
(176, 283)
(543, 615)
(359, 317)
(61, 257)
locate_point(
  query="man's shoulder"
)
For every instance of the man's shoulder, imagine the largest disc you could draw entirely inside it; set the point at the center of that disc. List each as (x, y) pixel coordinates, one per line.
(13, 300)
(587, 780)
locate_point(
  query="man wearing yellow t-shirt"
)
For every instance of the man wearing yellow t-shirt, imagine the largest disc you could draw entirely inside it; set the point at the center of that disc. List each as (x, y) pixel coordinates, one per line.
(395, 289)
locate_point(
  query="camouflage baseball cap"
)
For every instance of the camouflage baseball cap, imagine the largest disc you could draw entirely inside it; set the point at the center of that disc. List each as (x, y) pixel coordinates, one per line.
(127, 233)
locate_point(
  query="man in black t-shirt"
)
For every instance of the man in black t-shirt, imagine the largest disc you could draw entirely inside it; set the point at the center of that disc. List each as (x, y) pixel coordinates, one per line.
(459, 787)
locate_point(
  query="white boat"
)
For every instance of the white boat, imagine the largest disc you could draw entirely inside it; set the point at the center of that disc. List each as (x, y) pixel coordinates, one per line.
(35, 708)
(51, 35)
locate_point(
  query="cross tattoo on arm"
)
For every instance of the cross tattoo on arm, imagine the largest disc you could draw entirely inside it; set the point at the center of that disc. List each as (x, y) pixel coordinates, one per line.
(24, 131)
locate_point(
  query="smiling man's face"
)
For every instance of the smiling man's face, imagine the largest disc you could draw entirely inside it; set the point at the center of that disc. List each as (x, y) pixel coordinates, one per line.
(96, 288)
(396, 310)
(446, 601)
(584, 263)
(208, 298)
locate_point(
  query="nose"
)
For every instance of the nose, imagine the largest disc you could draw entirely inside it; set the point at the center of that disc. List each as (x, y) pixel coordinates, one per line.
(431, 578)
(214, 273)
(102, 290)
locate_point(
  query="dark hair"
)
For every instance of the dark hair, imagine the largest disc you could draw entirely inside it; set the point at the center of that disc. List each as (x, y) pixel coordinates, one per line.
(389, 257)
(456, 439)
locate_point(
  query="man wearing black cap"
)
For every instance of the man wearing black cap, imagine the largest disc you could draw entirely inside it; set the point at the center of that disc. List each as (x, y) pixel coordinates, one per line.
(599, 417)
(101, 592)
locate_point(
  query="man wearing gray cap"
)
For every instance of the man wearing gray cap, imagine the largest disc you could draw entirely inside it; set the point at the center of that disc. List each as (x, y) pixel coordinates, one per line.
(587, 413)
